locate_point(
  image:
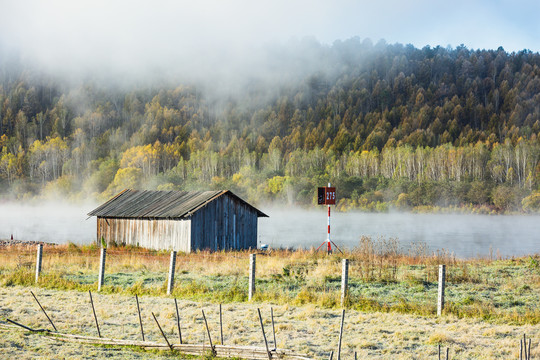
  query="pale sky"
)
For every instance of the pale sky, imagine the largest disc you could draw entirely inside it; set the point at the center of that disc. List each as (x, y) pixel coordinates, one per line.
(123, 33)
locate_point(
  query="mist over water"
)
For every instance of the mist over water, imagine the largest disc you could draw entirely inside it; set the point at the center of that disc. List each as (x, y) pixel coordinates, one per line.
(58, 223)
(464, 235)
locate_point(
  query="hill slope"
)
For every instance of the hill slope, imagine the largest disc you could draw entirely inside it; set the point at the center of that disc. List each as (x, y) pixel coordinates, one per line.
(390, 125)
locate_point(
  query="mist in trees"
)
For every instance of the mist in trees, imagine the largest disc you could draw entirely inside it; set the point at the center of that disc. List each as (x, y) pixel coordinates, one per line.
(392, 126)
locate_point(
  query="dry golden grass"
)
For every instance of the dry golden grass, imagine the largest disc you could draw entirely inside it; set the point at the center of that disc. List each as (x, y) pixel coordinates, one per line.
(303, 329)
(306, 271)
(380, 261)
(398, 290)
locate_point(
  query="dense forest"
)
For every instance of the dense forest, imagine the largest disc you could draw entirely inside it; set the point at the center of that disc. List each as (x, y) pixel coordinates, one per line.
(391, 126)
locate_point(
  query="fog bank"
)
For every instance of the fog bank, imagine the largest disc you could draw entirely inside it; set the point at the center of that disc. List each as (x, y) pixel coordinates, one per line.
(53, 222)
(464, 235)
(237, 39)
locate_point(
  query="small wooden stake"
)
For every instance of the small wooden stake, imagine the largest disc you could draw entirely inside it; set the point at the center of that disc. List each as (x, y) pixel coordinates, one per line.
(331, 355)
(208, 331)
(94, 310)
(42, 309)
(439, 351)
(162, 333)
(140, 319)
(220, 324)
(178, 320)
(447, 352)
(273, 328)
(355, 357)
(341, 334)
(264, 335)
(26, 327)
(525, 346)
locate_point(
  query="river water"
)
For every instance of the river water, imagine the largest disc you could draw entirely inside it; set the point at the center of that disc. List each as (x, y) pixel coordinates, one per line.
(464, 235)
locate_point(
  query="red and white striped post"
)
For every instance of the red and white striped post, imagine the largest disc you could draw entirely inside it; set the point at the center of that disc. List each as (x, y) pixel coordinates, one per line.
(328, 243)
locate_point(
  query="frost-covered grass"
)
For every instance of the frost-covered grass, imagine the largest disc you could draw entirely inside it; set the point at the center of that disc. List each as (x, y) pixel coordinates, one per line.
(382, 279)
(306, 329)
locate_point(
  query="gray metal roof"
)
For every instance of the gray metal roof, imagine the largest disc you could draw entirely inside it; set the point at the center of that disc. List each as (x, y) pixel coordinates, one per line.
(160, 204)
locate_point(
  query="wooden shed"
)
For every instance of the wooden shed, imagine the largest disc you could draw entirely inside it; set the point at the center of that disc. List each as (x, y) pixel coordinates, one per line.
(178, 220)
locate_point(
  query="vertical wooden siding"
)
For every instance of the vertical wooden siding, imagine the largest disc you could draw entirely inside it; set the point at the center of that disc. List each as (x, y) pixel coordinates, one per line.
(224, 224)
(161, 234)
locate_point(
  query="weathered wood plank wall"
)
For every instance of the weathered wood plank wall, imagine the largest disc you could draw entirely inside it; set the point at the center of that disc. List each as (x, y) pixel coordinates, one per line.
(162, 234)
(224, 224)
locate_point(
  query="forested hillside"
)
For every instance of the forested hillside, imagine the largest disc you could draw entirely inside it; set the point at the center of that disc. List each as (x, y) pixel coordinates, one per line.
(391, 126)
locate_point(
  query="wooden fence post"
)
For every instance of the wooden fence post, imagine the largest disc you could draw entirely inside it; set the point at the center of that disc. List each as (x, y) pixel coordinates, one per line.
(440, 300)
(251, 276)
(38, 260)
(344, 280)
(101, 268)
(172, 266)
(273, 327)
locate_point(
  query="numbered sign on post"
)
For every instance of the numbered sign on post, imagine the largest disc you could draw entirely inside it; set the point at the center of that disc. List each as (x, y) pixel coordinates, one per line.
(326, 196)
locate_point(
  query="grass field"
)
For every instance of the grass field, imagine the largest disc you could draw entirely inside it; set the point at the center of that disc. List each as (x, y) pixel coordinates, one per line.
(391, 307)
(308, 328)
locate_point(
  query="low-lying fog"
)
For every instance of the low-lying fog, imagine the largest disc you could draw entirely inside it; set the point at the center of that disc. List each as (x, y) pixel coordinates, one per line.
(50, 222)
(464, 235)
